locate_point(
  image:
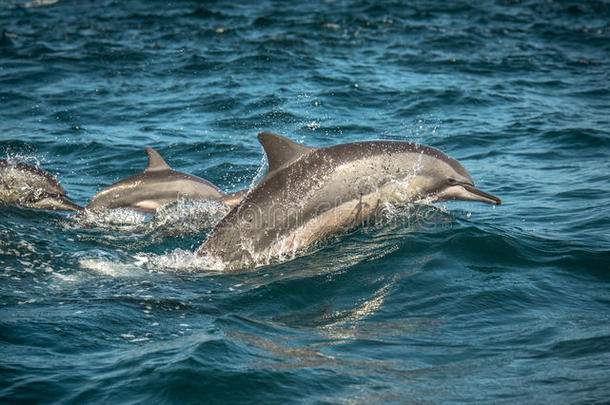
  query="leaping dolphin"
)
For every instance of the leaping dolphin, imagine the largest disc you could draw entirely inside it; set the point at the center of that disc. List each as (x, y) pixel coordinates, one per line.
(28, 186)
(310, 193)
(158, 185)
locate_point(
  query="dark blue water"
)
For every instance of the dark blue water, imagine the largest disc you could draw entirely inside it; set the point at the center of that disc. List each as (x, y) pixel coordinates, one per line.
(461, 302)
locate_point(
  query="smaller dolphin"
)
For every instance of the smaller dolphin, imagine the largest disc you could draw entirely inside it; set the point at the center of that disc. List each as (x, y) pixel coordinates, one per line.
(28, 186)
(156, 186)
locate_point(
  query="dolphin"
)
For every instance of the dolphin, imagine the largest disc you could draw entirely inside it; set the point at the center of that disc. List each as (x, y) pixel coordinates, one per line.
(310, 193)
(28, 186)
(158, 185)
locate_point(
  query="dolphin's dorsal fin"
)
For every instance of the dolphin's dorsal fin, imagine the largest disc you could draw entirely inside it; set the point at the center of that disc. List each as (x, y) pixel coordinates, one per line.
(155, 161)
(281, 151)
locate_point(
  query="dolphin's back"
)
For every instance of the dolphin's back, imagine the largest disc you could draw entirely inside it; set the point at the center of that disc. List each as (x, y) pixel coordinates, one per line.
(20, 174)
(154, 188)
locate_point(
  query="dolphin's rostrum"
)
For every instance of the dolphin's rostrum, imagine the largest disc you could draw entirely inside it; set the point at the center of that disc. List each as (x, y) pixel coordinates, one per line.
(310, 193)
(158, 185)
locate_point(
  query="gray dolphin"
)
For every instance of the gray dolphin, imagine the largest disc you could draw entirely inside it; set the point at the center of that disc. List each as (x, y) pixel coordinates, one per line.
(309, 194)
(158, 185)
(28, 186)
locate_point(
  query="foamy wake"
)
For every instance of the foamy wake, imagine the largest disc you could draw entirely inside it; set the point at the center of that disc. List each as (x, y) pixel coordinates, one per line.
(176, 218)
(178, 260)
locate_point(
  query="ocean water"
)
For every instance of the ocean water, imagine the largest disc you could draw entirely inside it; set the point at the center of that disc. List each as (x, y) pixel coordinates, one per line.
(452, 303)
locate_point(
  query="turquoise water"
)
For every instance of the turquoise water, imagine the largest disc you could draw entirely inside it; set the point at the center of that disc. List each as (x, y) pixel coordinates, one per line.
(459, 302)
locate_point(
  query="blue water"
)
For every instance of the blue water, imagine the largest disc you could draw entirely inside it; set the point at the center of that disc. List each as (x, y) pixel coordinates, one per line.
(460, 302)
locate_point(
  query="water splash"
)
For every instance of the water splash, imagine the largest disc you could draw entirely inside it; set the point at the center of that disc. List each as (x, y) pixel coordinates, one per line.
(176, 218)
(260, 172)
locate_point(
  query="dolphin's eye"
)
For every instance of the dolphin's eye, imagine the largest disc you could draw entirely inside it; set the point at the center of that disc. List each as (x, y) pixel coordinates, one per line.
(451, 181)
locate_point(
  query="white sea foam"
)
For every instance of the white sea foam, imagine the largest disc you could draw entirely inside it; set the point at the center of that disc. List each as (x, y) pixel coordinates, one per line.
(111, 268)
(175, 218)
(40, 3)
(138, 265)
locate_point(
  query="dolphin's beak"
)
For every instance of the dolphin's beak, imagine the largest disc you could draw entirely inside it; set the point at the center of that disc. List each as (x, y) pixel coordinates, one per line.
(467, 192)
(67, 205)
(474, 194)
(57, 203)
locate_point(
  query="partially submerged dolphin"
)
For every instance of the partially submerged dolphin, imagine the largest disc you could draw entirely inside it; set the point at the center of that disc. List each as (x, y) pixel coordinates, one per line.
(158, 185)
(309, 194)
(28, 186)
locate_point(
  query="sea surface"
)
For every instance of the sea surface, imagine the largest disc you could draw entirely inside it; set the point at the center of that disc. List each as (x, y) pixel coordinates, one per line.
(451, 303)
